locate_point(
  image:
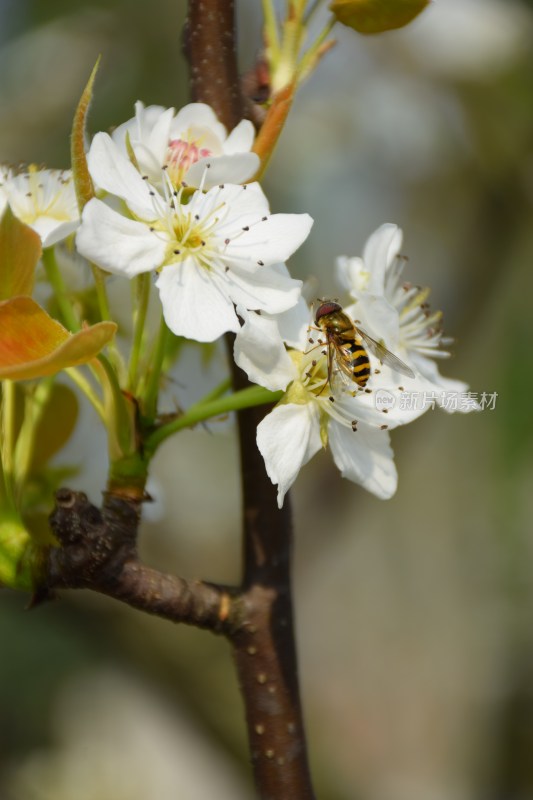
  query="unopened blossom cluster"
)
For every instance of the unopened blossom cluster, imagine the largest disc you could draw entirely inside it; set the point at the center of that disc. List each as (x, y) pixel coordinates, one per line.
(175, 197)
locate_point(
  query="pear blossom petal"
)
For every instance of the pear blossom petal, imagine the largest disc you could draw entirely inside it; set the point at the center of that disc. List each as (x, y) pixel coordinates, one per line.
(241, 138)
(116, 243)
(149, 164)
(149, 118)
(260, 352)
(113, 172)
(260, 238)
(365, 457)
(6, 174)
(195, 303)
(379, 252)
(293, 324)
(237, 168)
(268, 289)
(352, 275)
(148, 132)
(287, 439)
(248, 203)
(260, 343)
(395, 389)
(155, 133)
(270, 241)
(50, 232)
(197, 115)
(377, 317)
(430, 371)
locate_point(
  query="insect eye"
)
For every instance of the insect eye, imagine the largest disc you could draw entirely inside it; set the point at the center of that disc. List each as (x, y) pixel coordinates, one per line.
(326, 308)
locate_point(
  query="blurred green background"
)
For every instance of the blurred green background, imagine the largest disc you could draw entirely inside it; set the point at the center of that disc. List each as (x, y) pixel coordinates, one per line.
(415, 616)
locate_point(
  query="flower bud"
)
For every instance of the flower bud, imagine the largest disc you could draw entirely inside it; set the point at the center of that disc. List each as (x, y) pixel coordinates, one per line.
(376, 16)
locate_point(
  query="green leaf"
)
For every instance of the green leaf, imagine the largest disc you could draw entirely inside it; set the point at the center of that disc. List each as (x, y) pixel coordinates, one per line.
(16, 551)
(56, 425)
(33, 345)
(38, 495)
(376, 16)
(20, 250)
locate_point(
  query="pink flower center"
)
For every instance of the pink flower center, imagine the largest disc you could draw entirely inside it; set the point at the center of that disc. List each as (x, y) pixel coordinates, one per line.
(181, 155)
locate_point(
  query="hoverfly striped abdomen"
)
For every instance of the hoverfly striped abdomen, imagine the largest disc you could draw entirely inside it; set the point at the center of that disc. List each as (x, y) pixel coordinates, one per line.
(359, 362)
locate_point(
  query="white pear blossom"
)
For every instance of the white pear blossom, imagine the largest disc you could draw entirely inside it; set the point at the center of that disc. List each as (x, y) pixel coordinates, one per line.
(210, 251)
(44, 199)
(310, 416)
(183, 143)
(398, 310)
(260, 344)
(5, 174)
(355, 421)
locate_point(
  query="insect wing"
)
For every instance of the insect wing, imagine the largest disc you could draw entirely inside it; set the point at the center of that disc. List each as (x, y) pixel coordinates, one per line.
(384, 355)
(340, 368)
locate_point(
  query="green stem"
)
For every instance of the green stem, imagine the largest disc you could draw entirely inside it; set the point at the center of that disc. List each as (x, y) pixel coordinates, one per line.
(143, 284)
(207, 408)
(99, 278)
(78, 378)
(309, 60)
(8, 440)
(218, 391)
(312, 8)
(119, 414)
(34, 407)
(299, 8)
(152, 389)
(60, 290)
(271, 33)
(101, 292)
(3, 487)
(293, 36)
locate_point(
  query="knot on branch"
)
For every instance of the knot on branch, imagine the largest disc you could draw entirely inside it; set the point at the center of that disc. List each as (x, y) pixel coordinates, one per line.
(95, 543)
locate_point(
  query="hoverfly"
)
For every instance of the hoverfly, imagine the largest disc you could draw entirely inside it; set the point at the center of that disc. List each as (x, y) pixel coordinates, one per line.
(347, 357)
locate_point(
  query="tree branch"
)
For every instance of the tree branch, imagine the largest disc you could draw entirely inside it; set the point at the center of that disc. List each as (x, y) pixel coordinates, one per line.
(209, 46)
(264, 645)
(99, 551)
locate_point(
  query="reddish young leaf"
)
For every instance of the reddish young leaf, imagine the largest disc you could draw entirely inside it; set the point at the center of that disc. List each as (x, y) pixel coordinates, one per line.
(20, 250)
(33, 345)
(82, 178)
